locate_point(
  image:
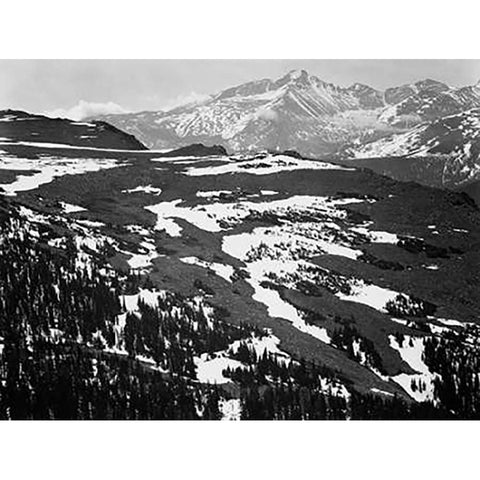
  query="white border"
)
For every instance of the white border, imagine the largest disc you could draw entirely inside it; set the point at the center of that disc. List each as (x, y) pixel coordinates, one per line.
(242, 29)
(246, 29)
(253, 450)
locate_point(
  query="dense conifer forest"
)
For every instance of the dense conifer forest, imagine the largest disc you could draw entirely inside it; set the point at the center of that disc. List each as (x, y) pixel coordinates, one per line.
(70, 348)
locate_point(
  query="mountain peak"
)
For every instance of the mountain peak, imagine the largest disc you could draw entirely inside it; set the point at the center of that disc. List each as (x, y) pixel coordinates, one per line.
(430, 84)
(297, 74)
(360, 87)
(294, 77)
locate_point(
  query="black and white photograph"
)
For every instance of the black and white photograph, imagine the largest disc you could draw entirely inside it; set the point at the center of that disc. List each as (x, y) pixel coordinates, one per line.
(239, 239)
(282, 248)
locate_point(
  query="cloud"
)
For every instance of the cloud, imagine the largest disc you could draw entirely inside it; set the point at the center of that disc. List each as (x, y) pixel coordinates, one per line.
(85, 109)
(266, 114)
(181, 100)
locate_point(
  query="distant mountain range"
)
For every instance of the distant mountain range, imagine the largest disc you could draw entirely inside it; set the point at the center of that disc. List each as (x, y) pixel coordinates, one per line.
(298, 111)
(433, 125)
(444, 152)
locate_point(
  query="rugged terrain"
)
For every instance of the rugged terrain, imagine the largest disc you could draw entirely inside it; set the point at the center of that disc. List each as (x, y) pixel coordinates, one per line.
(298, 111)
(197, 284)
(18, 126)
(444, 152)
(432, 124)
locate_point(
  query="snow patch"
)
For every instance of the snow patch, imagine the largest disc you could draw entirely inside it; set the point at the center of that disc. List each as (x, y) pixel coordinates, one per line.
(145, 189)
(143, 260)
(210, 368)
(212, 193)
(420, 386)
(368, 294)
(231, 410)
(150, 297)
(70, 208)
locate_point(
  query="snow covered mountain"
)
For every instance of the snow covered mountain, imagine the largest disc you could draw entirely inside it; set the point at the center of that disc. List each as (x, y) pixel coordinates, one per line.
(425, 100)
(298, 111)
(445, 151)
(18, 126)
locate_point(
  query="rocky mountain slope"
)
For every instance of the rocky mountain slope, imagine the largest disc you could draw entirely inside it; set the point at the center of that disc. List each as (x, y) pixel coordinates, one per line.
(18, 126)
(444, 152)
(298, 111)
(427, 100)
(249, 286)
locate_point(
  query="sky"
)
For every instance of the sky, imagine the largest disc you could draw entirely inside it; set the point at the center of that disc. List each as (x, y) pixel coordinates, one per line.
(79, 88)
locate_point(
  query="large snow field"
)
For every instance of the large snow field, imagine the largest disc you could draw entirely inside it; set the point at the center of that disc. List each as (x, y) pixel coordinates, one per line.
(66, 146)
(287, 242)
(181, 161)
(264, 166)
(174, 159)
(215, 217)
(45, 169)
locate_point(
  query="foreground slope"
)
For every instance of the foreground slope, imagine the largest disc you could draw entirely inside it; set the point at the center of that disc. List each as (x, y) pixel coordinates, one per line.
(355, 287)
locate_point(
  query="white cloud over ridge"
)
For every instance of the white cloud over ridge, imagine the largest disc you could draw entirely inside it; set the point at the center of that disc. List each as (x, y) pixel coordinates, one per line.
(192, 98)
(266, 114)
(84, 109)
